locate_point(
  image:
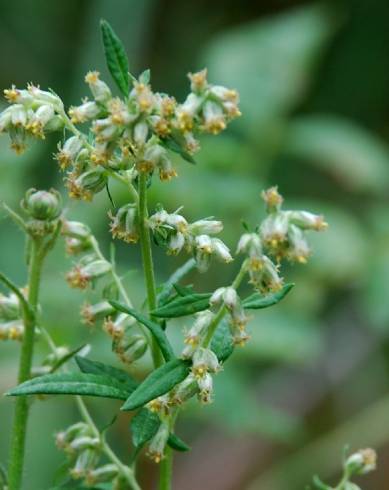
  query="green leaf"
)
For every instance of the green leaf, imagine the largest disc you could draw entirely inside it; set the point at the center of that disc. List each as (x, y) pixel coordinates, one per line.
(116, 57)
(177, 443)
(66, 358)
(72, 384)
(175, 278)
(144, 425)
(257, 301)
(222, 343)
(155, 329)
(158, 383)
(172, 145)
(183, 305)
(94, 367)
(144, 77)
(353, 157)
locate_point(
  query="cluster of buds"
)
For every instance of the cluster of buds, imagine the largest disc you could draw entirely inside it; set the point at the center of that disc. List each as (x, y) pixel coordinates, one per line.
(43, 209)
(173, 231)
(281, 235)
(362, 462)
(124, 223)
(11, 324)
(127, 343)
(87, 271)
(282, 232)
(228, 297)
(77, 237)
(124, 134)
(83, 450)
(33, 112)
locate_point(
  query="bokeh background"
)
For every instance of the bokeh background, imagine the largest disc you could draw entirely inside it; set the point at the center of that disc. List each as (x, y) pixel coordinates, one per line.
(314, 84)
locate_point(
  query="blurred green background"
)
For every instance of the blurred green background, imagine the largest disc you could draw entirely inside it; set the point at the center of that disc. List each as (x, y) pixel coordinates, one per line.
(314, 81)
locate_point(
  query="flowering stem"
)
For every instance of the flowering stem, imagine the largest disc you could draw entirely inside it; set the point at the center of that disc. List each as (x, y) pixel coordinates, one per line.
(223, 310)
(18, 435)
(166, 471)
(147, 258)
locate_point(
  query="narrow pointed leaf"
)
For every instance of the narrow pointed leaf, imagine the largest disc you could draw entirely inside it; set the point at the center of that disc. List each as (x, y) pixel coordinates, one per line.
(175, 278)
(72, 384)
(116, 57)
(257, 301)
(155, 329)
(144, 425)
(177, 443)
(66, 358)
(222, 343)
(183, 305)
(158, 383)
(96, 367)
(173, 145)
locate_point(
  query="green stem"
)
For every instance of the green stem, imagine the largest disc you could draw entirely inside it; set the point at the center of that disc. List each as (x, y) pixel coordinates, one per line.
(147, 259)
(223, 310)
(18, 435)
(166, 471)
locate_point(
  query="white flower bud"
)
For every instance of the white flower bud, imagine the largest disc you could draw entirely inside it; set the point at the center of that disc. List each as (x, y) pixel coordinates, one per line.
(178, 222)
(205, 384)
(44, 96)
(204, 361)
(214, 119)
(157, 445)
(221, 250)
(204, 244)
(5, 119)
(217, 297)
(298, 250)
(76, 229)
(18, 115)
(307, 221)
(84, 112)
(141, 130)
(100, 90)
(250, 243)
(176, 243)
(361, 462)
(231, 298)
(205, 227)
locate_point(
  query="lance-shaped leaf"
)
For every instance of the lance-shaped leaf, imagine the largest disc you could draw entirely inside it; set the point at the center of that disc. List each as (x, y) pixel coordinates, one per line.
(177, 443)
(66, 358)
(95, 367)
(176, 277)
(116, 57)
(143, 427)
(222, 342)
(72, 384)
(183, 305)
(173, 145)
(155, 329)
(159, 382)
(257, 301)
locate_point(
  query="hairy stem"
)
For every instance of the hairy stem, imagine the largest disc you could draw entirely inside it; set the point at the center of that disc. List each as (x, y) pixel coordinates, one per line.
(18, 434)
(147, 259)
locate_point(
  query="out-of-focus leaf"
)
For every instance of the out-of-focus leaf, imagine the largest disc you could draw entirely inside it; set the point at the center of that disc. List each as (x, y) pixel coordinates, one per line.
(222, 343)
(281, 337)
(270, 61)
(72, 384)
(177, 443)
(173, 145)
(96, 367)
(175, 278)
(154, 328)
(116, 57)
(357, 159)
(66, 358)
(257, 301)
(248, 415)
(158, 383)
(184, 305)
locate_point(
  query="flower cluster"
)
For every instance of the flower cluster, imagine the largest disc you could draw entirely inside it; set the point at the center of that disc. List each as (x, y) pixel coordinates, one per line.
(174, 231)
(43, 209)
(83, 450)
(281, 235)
(125, 136)
(11, 323)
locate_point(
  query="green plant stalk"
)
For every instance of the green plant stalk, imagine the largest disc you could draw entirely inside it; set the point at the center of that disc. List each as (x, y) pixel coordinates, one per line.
(147, 259)
(127, 473)
(223, 310)
(167, 462)
(18, 434)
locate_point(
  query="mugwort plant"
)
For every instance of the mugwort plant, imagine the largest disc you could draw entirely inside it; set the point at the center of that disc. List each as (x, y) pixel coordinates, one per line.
(130, 138)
